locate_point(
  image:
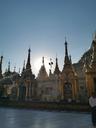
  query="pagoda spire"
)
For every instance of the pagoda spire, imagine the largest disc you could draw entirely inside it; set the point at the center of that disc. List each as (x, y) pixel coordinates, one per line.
(28, 65)
(43, 60)
(93, 62)
(66, 51)
(66, 60)
(70, 59)
(42, 75)
(1, 66)
(56, 71)
(23, 66)
(9, 66)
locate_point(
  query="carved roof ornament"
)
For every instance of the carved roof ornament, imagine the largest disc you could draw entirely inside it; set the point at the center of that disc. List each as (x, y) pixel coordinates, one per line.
(42, 75)
(66, 60)
(1, 66)
(28, 65)
(24, 65)
(56, 71)
(66, 49)
(43, 60)
(9, 66)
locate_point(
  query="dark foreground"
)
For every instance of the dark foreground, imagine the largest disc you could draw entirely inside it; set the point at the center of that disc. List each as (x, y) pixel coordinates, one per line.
(60, 106)
(27, 118)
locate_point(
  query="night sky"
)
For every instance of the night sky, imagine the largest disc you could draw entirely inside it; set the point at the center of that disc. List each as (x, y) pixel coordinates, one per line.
(43, 25)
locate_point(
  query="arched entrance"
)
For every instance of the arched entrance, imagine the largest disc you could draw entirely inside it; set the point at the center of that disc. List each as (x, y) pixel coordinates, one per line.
(67, 90)
(22, 92)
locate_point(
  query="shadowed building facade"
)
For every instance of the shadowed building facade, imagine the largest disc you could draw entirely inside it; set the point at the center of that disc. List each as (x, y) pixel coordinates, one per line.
(60, 85)
(10, 83)
(68, 79)
(47, 87)
(1, 76)
(90, 70)
(27, 85)
(75, 81)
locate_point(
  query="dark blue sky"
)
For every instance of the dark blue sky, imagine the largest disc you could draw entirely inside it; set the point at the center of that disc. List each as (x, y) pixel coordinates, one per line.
(43, 25)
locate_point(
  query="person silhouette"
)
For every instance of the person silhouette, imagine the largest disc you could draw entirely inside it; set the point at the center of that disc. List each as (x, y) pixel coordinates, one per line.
(92, 103)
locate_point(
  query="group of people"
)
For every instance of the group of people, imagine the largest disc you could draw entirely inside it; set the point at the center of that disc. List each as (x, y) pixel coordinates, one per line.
(92, 103)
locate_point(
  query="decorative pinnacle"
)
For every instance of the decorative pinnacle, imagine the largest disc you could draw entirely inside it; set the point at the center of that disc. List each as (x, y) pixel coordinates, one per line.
(29, 50)
(43, 60)
(9, 66)
(66, 51)
(28, 65)
(1, 60)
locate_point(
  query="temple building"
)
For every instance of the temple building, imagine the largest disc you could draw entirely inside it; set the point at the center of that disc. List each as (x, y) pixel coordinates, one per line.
(9, 83)
(18, 86)
(90, 70)
(1, 67)
(27, 84)
(75, 82)
(85, 69)
(58, 85)
(68, 79)
(47, 87)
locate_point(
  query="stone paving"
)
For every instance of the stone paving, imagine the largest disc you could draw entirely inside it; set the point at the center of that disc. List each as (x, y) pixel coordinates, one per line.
(24, 118)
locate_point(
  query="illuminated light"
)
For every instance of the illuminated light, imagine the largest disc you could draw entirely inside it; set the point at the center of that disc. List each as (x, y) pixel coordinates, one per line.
(38, 63)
